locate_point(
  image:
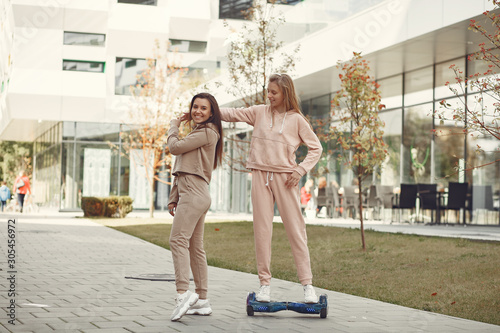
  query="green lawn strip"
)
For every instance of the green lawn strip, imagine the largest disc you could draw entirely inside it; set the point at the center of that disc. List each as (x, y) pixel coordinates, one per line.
(455, 277)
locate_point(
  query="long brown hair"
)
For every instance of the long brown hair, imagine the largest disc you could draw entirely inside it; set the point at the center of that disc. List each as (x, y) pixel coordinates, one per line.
(215, 118)
(291, 99)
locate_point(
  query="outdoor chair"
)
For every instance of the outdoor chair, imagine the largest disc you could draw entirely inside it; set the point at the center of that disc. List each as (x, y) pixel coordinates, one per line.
(428, 199)
(350, 201)
(330, 201)
(372, 202)
(405, 200)
(385, 193)
(457, 199)
(379, 198)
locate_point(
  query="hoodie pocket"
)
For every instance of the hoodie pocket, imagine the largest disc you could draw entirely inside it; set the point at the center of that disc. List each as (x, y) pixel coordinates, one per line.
(272, 153)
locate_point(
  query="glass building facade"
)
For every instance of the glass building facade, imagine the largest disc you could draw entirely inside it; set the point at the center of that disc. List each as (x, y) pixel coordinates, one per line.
(421, 147)
(76, 159)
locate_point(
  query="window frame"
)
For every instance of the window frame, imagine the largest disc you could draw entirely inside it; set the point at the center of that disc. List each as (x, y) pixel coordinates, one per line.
(85, 33)
(172, 47)
(139, 2)
(103, 63)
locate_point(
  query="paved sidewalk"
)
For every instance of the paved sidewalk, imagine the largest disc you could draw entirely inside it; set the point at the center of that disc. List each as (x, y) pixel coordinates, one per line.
(70, 277)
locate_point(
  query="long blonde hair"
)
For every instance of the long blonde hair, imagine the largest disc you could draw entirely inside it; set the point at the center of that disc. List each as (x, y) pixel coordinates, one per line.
(291, 99)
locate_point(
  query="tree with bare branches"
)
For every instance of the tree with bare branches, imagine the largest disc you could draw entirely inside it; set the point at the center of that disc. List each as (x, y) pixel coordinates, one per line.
(356, 125)
(254, 53)
(479, 116)
(160, 91)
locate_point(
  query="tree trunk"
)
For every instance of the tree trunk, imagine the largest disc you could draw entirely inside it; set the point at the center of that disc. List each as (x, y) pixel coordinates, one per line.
(360, 196)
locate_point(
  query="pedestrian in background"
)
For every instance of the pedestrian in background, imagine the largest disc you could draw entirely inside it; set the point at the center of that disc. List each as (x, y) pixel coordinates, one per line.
(4, 194)
(22, 187)
(305, 194)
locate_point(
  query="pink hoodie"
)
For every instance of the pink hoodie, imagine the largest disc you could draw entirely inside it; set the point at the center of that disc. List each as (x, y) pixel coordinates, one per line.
(275, 139)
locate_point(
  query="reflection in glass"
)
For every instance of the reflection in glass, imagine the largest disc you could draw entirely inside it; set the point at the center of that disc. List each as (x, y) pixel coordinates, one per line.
(68, 130)
(184, 46)
(390, 171)
(102, 132)
(320, 108)
(483, 148)
(418, 86)
(448, 145)
(126, 72)
(46, 187)
(139, 2)
(417, 140)
(391, 90)
(83, 66)
(233, 9)
(445, 74)
(87, 39)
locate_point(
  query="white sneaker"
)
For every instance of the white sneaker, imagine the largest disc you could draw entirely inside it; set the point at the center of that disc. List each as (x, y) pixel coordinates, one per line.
(310, 294)
(202, 308)
(264, 294)
(183, 303)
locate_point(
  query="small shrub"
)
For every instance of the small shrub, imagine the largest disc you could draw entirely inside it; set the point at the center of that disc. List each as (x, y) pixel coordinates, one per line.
(92, 206)
(118, 206)
(114, 206)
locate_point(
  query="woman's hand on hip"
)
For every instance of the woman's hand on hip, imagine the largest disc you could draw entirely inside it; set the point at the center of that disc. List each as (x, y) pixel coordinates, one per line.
(293, 179)
(172, 207)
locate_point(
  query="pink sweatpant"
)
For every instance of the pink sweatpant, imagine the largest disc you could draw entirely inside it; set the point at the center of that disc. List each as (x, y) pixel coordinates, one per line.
(186, 236)
(288, 201)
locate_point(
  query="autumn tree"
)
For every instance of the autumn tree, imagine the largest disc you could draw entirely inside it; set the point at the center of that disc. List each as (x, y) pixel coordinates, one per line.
(478, 117)
(160, 91)
(356, 126)
(254, 53)
(14, 157)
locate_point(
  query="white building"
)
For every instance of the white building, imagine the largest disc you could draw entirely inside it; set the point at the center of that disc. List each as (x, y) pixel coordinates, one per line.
(69, 62)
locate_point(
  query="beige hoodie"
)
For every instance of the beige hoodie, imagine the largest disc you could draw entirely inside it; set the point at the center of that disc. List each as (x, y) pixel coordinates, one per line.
(195, 154)
(275, 139)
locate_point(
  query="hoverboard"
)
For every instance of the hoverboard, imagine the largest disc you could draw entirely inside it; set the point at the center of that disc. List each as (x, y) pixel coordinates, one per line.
(310, 308)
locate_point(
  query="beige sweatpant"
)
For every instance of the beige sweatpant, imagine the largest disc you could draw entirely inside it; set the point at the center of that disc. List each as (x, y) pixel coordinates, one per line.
(186, 236)
(268, 187)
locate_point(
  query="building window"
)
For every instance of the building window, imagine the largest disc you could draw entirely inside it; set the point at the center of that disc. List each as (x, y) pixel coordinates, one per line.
(83, 66)
(233, 9)
(391, 90)
(184, 46)
(418, 86)
(139, 2)
(445, 74)
(284, 2)
(126, 71)
(417, 131)
(320, 108)
(81, 38)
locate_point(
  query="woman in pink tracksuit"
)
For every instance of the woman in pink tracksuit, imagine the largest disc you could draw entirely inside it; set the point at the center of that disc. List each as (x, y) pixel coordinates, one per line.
(196, 156)
(279, 129)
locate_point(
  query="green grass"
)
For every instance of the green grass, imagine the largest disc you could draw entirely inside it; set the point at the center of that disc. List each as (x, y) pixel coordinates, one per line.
(454, 277)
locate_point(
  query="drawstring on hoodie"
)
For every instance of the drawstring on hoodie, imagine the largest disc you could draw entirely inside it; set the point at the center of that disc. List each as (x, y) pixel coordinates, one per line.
(267, 178)
(282, 124)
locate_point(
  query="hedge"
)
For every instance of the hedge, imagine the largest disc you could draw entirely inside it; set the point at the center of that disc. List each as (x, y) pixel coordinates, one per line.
(115, 206)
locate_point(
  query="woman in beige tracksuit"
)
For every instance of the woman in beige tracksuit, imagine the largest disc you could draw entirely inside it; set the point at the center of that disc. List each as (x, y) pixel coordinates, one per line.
(196, 156)
(279, 129)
